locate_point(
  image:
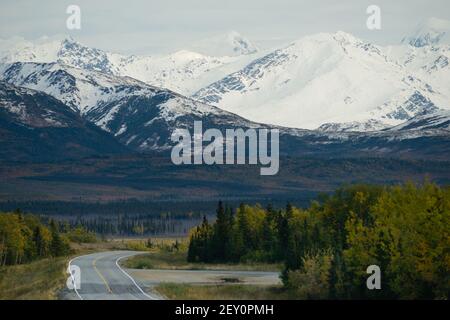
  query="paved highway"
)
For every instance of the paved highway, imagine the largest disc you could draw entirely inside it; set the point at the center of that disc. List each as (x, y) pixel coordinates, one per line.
(102, 278)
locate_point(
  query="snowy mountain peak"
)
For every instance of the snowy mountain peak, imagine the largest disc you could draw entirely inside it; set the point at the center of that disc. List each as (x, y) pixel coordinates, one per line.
(332, 81)
(79, 89)
(432, 31)
(228, 44)
(344, 36)
(69, 40)
(75, 54)
(240, 44)
(139, 115)
(184, 71)
(324, 78)
(65, 51)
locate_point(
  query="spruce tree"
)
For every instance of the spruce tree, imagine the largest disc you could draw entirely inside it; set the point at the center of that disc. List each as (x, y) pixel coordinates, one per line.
(38, 241)
(57, 245)
(220, 234)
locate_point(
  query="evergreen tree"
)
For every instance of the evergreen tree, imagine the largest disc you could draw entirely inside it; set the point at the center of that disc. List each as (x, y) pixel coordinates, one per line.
(39, 241)
(402, 229)
(283, 235)
(57, 246)
(221, 234)
(269, 235)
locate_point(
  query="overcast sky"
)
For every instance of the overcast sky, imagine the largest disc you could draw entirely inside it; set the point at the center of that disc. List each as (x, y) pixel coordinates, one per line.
(158, 26)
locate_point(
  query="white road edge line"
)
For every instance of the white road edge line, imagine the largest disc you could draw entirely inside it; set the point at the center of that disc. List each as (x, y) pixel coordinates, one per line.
(73, 279)
(131, 278)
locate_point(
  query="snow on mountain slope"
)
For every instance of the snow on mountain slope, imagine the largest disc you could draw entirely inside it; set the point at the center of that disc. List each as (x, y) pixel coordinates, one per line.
(35, 126)
(430, 60)
(140, 116)
(439, 120)
(325, 78)
(65, 51)
(183, 71)
(332, 81)
(432, 31)
(369, 125)
(429, 63)
(80, 89)
(30, 108)
(18, 49)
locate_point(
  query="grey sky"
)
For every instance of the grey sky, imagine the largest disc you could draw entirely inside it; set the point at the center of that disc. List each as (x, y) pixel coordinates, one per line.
(150, 26)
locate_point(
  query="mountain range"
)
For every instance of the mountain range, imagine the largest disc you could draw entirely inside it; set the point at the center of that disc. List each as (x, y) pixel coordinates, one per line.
(76, 120)
(326, 81)
(184, 71)
(344, 88)
(142, 117)
(323, 79)
(138, 115)
(34, 125)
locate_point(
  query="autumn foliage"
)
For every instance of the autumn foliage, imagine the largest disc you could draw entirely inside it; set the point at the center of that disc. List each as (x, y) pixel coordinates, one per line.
(326, 248)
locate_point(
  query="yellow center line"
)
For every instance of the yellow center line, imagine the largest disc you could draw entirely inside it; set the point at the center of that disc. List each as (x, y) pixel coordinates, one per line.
(94, 264)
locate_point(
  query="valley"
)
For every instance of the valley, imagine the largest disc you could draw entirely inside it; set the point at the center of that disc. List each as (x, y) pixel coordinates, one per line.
(155, 153)
(156, 180)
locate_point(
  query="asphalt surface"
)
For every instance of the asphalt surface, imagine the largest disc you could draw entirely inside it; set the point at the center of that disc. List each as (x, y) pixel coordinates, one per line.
(102, 278)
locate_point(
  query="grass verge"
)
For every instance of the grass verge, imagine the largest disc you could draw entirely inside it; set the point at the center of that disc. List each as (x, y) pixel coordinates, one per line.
(38, 280)
(177, 260)
(222, 292)
(44, 279)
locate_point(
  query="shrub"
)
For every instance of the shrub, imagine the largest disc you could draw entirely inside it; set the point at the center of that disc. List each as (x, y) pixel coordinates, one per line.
(312, 281)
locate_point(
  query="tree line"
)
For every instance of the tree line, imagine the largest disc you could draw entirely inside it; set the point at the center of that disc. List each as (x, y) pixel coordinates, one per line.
(135, 225)
(327, 247)
(25, 238)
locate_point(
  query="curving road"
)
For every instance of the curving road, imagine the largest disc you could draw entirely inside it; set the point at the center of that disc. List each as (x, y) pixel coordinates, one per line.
(102, 278)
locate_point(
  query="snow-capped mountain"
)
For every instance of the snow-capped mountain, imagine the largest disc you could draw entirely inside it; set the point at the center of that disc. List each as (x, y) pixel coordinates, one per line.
(228, 44)
(66, 51)
(425, 58)
(432, 31)
(428, 63)
(326, 78)
(80, 89)
(367, 126)
(29, 108)
(18, 49)
(142, 119)
(334, 82)
(140, 116)
(439, 120)
(37, 126)
(184, 71)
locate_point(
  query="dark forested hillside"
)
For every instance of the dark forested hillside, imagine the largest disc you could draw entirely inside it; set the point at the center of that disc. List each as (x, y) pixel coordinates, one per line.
(154, 179)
